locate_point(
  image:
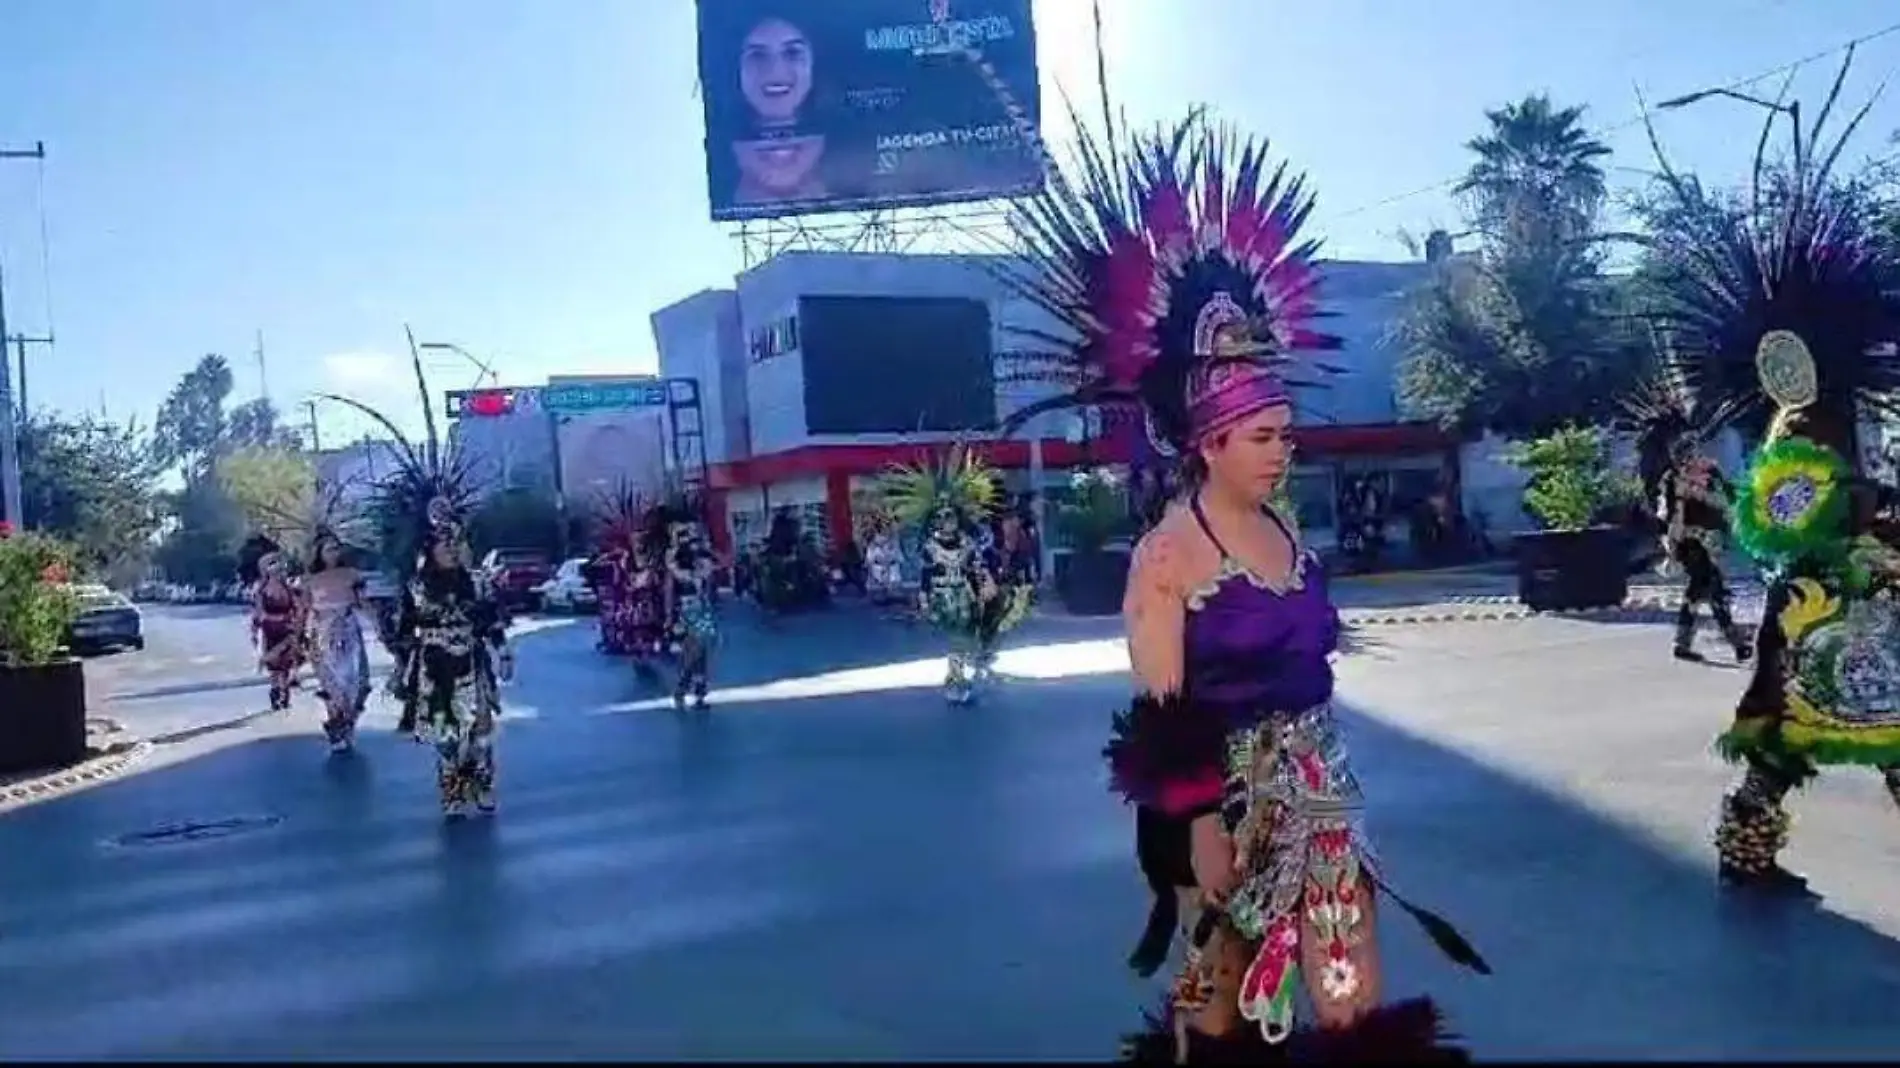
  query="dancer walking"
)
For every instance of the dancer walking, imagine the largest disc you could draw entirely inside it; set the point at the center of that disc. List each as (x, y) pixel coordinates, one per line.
(1691, 501)
(1187, 289)
(276, 618)
(691, 607)
(333, 598)
(949, 497)
(1793, 308)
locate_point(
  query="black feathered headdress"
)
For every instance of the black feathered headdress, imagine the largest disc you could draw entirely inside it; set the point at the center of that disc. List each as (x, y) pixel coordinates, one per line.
(431, 494)
(1661, 415)
(1128, 255)
(1798, 264)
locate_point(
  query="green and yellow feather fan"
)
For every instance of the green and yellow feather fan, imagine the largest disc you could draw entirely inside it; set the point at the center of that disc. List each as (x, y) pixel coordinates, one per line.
(956, 478)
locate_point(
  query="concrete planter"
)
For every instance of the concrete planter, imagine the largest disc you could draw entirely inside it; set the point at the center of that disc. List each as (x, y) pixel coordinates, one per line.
(1571, 570)
(42, 717)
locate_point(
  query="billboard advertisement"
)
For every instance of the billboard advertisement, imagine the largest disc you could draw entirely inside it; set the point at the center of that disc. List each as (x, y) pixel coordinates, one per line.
(895, 365)
(845, 105)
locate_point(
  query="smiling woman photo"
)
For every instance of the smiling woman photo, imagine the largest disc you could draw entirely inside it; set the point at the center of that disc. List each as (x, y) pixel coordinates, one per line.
(778, 153)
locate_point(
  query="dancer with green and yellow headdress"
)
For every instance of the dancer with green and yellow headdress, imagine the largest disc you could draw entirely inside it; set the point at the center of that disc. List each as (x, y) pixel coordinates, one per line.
(949, 497)
(1790, 312)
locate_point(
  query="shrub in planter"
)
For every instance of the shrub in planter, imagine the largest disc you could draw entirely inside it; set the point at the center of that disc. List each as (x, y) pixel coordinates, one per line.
(1575, 562)
(1090, 580)
(42, 689)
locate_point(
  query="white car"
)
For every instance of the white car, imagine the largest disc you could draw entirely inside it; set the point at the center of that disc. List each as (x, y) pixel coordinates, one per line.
(569, 590)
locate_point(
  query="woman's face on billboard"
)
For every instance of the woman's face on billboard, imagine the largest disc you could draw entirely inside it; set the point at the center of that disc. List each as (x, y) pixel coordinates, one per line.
(775, 71)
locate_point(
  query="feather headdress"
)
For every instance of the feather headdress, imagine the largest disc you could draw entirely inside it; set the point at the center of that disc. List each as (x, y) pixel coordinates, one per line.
(955, 479)
(1173, 271)
(622, 517)
(1661, 415)
(1791, 302)
(431, 494)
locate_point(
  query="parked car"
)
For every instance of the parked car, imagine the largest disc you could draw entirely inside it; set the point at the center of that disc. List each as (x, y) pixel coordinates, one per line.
(569, 590)
(515, 576)
(106, 620)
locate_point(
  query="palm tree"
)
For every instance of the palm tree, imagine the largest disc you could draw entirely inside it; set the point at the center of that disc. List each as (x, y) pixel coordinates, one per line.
(1537, 177)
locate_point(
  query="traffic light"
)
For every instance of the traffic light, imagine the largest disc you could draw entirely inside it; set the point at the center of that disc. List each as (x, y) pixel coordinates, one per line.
(481, 403)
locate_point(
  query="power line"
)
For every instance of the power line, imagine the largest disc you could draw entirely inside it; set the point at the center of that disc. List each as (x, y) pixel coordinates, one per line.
(1637, 120)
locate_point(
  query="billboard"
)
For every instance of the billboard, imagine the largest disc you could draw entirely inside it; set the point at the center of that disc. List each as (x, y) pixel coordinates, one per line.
(893, 365)
(842, 105)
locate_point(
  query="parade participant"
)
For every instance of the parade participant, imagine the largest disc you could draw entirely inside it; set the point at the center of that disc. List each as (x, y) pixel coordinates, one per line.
(1005, 592)
(622, 518)
(1690, 498)
(276, 617)
(1187, 289)
(644, 607)
(458, 655)
(333, 591)
(451, 635)
(950, 497)
(691, 605)
(884, 562)
(1794, 308)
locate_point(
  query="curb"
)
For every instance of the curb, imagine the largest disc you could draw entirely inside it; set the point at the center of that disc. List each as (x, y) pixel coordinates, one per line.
(107, 765)
(1505, 609)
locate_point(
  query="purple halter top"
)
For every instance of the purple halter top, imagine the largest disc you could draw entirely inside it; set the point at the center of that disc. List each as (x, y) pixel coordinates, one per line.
(1254, 650)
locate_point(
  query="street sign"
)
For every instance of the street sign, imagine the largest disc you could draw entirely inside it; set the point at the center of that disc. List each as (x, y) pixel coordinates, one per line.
(603, 396)
(488, 403)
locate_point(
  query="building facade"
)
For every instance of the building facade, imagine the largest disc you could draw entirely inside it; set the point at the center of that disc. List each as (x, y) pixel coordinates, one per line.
(819, 370)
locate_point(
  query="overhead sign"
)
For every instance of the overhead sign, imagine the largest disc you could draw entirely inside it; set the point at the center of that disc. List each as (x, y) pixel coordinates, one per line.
(603, 397)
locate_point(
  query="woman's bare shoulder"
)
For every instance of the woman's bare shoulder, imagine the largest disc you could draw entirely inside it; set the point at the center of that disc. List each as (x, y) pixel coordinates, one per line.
(1175, 554)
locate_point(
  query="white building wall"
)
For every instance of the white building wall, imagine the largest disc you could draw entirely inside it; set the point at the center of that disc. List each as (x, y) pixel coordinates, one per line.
(698, 338)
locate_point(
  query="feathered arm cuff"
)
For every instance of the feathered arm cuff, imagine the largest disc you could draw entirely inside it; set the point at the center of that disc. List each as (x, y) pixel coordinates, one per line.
(1168, 753)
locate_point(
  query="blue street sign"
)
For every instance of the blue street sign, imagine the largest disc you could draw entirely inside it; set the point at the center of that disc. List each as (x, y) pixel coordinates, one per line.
(603, 397)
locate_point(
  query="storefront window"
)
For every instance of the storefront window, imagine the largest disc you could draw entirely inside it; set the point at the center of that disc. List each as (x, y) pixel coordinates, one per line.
(1312, 495)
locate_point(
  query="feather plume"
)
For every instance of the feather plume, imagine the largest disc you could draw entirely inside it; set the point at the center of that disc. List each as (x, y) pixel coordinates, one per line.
(1123, 253)
(1800, 258)
(427, 471)
(956, 478)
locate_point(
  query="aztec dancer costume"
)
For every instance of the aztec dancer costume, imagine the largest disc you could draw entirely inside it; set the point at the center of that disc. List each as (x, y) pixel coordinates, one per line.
(948, 498)
(452, 649)
(1691, 501)
(1791, 311)
(333, 596)
(1175, 266)
(692, 596)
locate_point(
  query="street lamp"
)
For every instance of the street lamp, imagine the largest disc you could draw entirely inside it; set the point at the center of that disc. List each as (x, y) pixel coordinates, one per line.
(482, 368)
(1792, 109)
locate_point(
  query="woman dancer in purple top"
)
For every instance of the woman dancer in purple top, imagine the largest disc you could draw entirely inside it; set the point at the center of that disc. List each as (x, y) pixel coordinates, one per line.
(1179, 274)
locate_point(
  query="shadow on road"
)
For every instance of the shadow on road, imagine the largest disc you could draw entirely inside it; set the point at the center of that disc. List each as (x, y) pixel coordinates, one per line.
(875, 876)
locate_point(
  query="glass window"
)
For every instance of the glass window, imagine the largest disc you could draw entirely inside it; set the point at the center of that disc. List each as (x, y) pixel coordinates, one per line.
(1312, 494)
(1411, 487)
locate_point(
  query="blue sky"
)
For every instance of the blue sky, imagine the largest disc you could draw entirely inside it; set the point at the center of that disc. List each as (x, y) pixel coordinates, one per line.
(525, 177)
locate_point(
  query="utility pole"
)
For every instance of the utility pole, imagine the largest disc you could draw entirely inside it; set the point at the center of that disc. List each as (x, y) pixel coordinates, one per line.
(10, 497)
(316, 442)
(20, 342)
(263, 371)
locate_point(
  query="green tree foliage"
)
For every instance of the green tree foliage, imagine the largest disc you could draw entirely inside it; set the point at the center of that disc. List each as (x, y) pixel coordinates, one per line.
(191, 422)
(272, 488)
(1571, 481)
(91, 483)
(201, 547)
(1527, 335)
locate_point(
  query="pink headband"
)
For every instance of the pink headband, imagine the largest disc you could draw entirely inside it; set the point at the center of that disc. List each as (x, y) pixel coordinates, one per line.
(1232, 387)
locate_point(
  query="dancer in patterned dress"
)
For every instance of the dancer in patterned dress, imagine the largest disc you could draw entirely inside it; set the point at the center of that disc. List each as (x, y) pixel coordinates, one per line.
(1792, 309)
(333, 592)
(950, 497)
(458, 656)
(691, 604)
(1186, 289)
(451, 635)
(277, 624)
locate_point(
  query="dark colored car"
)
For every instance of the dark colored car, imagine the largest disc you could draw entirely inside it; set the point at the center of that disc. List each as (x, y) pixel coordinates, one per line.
(516, 575)
(106, 620)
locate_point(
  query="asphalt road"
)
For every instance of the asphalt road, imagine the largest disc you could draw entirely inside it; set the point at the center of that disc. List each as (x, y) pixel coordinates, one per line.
(836, 865)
